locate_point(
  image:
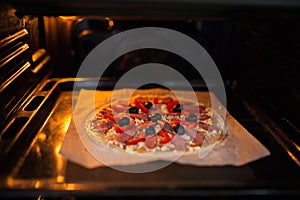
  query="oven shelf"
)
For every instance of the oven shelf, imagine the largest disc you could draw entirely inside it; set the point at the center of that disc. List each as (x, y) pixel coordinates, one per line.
(39, 169)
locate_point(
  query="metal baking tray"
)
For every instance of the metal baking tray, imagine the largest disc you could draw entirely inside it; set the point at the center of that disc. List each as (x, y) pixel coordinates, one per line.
(31, 166)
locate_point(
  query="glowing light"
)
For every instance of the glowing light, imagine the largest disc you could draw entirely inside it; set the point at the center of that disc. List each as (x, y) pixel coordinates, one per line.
(67, 17)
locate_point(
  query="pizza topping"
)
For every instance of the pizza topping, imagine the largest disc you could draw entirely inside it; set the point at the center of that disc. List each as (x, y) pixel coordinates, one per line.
(198, 139)
(156, 117)
(124, 121)
(204, 117)
(151, 141)
(118, 109)
(102, 126)
(203, 125)
(145, 125)
(155, 124)
(191, 118)
(140, 116)
(178, 108)
(167, 127)
(178, 142)
(191, 132)
(109, 117)
(133, 110)
(118, 128)
(142, 108)
(148, 105)
(150, 131)
(165, 100)
(164, 137)
(135, 140)
(171, 105)
(179, 129)
(124, 137)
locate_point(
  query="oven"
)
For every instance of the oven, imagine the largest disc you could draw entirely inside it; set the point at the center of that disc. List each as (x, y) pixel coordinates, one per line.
(254, 44)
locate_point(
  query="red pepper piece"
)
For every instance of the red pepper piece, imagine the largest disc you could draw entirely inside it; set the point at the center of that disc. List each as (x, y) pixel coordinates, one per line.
(109, 117)
(171, 105)
(141, 106)
(118, 128)
(135, 140)
(164, 137)
(186, 123)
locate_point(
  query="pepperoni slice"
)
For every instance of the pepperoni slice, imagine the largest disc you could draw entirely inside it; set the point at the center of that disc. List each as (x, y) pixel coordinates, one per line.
(178, 142)
(140, 116)
(151, 141)
(204, 117)
(167, 127)
(204, 125)
(124, 137)
(145, 125)
(119, 109)
(199, 138)
(191, 132)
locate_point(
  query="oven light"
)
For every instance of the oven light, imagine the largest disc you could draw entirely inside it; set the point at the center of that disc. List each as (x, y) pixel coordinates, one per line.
(67, 17)
(109, 23)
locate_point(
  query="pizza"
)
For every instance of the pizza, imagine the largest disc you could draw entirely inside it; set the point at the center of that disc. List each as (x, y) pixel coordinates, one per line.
(156, 124)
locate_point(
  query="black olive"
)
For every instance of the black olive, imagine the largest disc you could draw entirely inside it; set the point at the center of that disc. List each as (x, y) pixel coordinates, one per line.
(133, 110)
(179, 129)
(148, 105)
(191, 118)
(124, 121)
(156, 117)
(150, 131)
(177, 108)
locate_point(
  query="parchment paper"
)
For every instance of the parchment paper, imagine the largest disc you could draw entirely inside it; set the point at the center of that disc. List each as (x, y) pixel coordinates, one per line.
(239, 148)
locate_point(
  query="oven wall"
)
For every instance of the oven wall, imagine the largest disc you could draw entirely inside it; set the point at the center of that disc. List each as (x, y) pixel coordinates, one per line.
(23, 58)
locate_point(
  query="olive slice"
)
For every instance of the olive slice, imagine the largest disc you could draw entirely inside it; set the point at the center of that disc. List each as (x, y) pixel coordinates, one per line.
(150, 131)
(133, 110)
(179, 129)
(148, 105)
(124, 121)
(191, 118)
(177, 108)
(156, 117)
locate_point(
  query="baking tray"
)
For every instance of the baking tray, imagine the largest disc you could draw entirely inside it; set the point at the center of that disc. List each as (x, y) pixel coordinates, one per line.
(31, 165)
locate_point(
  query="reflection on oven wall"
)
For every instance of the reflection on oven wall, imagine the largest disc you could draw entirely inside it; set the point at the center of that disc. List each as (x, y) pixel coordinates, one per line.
(71, 38)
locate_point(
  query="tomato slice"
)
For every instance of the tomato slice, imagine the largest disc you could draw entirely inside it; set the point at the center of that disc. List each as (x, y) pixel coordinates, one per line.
(135, 140)
(155, 100)
(164, 137)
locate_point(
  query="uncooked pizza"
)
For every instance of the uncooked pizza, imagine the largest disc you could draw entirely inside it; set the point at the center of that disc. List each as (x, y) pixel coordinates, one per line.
(156, 124)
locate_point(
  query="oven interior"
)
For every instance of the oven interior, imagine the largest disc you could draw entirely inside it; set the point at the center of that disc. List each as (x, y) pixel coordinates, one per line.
(43, 46)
